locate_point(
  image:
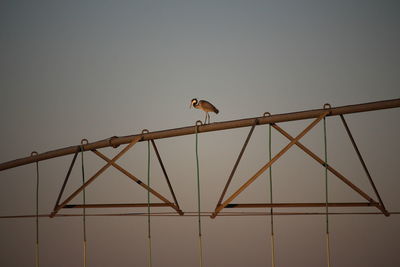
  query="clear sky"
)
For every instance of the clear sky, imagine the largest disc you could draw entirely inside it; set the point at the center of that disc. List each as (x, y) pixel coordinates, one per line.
(94, 69)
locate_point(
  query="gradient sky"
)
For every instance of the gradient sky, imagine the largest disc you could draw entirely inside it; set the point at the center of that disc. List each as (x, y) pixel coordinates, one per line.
(94, 69)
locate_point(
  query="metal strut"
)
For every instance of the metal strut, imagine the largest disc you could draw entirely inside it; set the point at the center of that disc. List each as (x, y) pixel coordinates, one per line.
(165, 173)
(382, 206)
(236, 164)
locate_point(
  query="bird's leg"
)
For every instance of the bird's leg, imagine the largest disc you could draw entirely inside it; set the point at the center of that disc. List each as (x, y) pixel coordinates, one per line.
(208, 115)
(205, 121)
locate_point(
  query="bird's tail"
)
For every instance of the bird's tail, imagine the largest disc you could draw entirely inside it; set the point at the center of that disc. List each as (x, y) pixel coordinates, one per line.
(216, 111)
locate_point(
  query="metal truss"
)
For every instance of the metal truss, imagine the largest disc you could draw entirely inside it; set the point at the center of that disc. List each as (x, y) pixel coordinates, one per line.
(273, 120)
(295, 141)
(112, 162)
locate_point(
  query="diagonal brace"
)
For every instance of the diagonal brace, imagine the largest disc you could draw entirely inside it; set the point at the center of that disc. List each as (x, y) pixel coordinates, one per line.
(266, 166)
(66, 180)
(322, 162)
(382, 206)
(165, 172)
(134, 178)
(105, 167)
(236, 164)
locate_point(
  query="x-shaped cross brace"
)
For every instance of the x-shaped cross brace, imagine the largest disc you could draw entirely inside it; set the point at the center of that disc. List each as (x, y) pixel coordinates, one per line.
(293, 141)
(112, 162)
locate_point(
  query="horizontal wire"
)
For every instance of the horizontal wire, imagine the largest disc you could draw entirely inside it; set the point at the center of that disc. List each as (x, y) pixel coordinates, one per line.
(203, 214)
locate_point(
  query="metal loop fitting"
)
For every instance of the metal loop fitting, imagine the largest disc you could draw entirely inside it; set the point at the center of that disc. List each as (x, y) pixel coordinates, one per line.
(144, 131)
(266, 114)
(34, 153)
(196, 126)
(327, 106)
(84, 141)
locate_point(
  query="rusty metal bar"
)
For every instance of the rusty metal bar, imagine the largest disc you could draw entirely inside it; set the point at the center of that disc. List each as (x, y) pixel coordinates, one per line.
(322, 162)
(139, 182)
(218, 126)
(236, 164)
(115, 205)
(302, 205)
(266, 166)
(165, 173)
(382, 206)
(105, 167)
(65, 181)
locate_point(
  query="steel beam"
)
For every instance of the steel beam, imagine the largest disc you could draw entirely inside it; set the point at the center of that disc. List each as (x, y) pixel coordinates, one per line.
(116, 205)
(302, 205)
(218, 126)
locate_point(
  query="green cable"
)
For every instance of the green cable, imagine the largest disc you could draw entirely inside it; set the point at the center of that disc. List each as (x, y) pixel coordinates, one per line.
(270, 180)
(198, 198)
(326, 194)
(148, 206)
(84, 210)
(326, 178)
(271, 200)
(37, 215)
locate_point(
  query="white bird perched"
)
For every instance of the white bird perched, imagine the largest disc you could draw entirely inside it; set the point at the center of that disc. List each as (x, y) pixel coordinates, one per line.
(205, 106)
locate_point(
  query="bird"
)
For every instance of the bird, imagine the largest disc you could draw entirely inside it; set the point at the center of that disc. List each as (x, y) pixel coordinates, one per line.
(205, 106)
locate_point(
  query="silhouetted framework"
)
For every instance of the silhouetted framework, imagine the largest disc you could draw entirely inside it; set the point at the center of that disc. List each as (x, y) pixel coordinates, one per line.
(317, 115)
(112, 162)
(295, 141)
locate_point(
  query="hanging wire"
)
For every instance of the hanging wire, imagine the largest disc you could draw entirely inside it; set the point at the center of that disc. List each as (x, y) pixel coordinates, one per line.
(149, 262)
(271, 200)
(37, 259)
(326, 197)
(84, 209)
(267, 114)
(198, 196)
